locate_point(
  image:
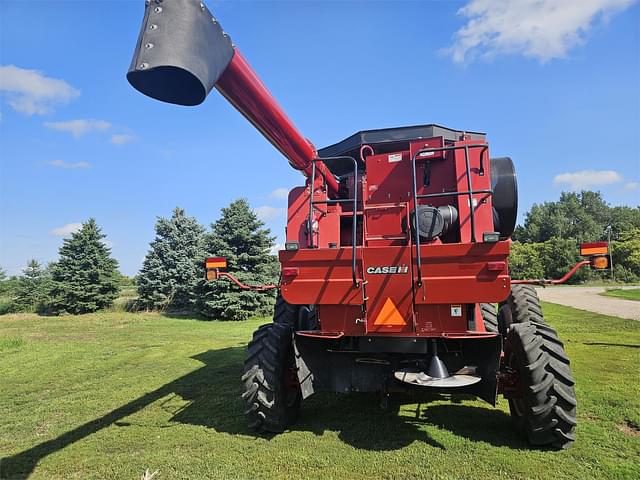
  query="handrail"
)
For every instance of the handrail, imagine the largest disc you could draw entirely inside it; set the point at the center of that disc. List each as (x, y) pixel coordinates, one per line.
(354, 276)
(469, 192)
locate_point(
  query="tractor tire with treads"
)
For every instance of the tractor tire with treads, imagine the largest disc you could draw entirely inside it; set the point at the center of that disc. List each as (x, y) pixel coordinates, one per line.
(271, 393)
(284, 312)
(489, 317)
(525, 304)
(546, 410)
(300, 317)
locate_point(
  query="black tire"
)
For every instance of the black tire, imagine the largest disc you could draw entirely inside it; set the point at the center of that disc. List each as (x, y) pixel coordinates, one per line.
(489, 317)
(546, 409)
(271, 392)
(523, 305)
(300, 317)
(284, 312)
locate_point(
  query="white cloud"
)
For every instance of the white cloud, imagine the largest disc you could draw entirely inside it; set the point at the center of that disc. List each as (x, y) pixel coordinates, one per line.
(276, 248)
(78, 127)
(122, 138)
(541, 29)
(279, 193)
(587, 178)
(631, 186)
(266, 213)
(66, 230)
(69, 165)
(30, 92)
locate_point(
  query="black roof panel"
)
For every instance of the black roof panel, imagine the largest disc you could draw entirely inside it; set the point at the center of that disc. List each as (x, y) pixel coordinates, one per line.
(387, 140)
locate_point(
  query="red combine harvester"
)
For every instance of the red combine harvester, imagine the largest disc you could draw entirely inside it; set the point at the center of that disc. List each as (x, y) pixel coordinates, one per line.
(395, 257)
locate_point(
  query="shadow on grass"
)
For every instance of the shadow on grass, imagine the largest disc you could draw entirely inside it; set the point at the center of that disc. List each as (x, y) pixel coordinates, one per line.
(213, 396)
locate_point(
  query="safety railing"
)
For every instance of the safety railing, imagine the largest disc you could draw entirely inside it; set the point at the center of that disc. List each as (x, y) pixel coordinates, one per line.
(469, 192)
(354, 216)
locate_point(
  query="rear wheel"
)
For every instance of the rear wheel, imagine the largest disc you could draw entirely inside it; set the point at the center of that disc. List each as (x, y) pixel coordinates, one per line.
(271, 390)
(489, 317)
(544, 408)
(284, 312)
(299, 317)
(523, 305)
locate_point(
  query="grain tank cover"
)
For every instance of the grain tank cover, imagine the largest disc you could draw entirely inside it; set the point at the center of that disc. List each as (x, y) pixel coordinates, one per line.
(386, 140)
(181, 52)
(393, 139)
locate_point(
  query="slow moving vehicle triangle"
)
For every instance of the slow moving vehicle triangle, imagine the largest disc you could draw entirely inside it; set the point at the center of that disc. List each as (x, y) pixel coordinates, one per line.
(389, 315)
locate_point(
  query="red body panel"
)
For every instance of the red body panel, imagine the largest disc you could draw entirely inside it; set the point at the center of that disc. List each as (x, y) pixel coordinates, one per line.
(390, 295)
(324, 278)
(389, 299)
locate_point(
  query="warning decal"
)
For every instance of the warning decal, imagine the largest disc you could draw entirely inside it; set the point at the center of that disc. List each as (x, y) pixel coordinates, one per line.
(389, 315)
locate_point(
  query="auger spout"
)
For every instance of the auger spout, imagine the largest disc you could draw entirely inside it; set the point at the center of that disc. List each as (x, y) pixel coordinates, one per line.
(182, 54)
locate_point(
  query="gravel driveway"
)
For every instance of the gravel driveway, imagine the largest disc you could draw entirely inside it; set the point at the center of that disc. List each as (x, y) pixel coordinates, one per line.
(588, 298)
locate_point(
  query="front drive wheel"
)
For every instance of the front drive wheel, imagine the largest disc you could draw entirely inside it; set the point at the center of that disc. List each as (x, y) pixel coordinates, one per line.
(545, 410)
(271, 390)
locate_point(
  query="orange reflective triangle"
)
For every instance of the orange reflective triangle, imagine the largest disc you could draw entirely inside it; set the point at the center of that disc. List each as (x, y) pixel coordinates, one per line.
(389, 315)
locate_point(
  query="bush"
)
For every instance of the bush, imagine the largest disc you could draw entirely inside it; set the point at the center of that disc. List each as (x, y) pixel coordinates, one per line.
(626, 253)
(525, 261)
(7, 305)
(624, 274)
(558, 256)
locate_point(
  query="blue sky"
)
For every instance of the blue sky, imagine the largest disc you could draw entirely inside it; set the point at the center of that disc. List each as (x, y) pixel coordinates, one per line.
(556, 85)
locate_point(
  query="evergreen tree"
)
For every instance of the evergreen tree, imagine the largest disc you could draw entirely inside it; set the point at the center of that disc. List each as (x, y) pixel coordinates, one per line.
(33, 287)
(85, 278)
(3, 280)
(173, 265)
(242, 239)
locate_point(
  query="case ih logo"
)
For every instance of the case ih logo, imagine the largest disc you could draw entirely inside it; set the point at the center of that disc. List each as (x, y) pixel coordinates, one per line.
(388, 270)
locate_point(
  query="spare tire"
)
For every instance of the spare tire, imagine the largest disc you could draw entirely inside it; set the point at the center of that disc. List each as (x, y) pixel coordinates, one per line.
(505, 196)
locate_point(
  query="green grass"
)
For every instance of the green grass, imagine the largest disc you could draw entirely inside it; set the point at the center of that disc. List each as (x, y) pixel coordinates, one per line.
(108, 395)
(627, 294)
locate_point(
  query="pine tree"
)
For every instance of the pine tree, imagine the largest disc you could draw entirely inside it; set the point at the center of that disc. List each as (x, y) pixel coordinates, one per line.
(3, 280)
(33, 287)
(85, 278)
(242, 239)
(173, 265)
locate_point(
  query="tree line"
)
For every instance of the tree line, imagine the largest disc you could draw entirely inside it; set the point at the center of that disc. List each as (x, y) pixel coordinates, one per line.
(547, 244)
(85, 277)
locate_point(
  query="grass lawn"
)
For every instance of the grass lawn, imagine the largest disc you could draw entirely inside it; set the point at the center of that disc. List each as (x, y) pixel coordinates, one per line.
(108, 395)
(627, 294)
